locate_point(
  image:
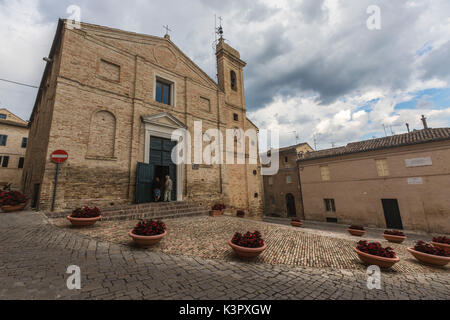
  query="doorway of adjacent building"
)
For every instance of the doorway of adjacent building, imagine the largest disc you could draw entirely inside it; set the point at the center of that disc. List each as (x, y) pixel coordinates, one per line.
(35, 197)
(392, 214)
(290, 203)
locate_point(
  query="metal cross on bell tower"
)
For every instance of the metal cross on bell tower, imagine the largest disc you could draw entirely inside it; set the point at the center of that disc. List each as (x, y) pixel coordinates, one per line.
(219, 30)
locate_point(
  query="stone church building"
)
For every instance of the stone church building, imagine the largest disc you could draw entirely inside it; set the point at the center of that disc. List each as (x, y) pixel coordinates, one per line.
(111, 99)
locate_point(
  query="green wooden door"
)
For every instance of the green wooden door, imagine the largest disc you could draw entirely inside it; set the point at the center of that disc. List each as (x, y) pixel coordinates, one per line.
(144, 180)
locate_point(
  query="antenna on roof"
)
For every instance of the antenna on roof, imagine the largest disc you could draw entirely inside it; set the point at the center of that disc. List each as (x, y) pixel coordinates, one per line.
(315, 142)
(392, 132)
(384, 127)
(296, 136)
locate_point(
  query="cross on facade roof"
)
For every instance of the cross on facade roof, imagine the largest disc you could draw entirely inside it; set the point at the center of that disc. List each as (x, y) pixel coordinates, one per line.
(167, 29)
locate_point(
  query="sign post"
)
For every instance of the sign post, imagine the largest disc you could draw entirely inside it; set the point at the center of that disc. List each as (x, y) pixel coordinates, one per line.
(58, 157)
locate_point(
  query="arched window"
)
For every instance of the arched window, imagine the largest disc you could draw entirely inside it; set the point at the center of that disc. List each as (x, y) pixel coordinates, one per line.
(233, 80)
(102, 134)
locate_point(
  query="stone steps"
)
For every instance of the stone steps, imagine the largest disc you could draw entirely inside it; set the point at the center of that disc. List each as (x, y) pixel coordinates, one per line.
(158, 210)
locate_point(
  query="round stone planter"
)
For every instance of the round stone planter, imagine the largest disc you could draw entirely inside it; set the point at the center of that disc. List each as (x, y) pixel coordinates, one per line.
(358, 233)
(146, 241)
(370, 259)
(18, 207)
(216, 213)
(441, 245)
(297, 224)
(393, 238)
(83, 222)
(430, 259)
(247, 252)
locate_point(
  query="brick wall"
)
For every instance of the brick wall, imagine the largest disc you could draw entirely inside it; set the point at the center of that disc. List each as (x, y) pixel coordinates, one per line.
(108, 77)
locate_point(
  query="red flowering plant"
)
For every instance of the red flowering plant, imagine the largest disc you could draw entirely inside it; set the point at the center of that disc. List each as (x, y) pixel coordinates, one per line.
(86, 212)
(248, 240)
(12, 198)
(442, 239)
(427, 248)
(149, 228)
(356, 227)
(219, 207)
(375, 249)
(394, 233)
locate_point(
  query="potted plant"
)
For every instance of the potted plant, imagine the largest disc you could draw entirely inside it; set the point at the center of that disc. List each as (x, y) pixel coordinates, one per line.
(296, 222)
(394, 236)
(148, 232)
(217, 210)
(429, 254)
(83, 217)
(355, 230)
(441, 242)
(249, 245)
(374, 254)
(12, 201)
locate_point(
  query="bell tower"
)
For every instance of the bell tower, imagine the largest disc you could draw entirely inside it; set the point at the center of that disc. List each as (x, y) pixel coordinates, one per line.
(230, 74)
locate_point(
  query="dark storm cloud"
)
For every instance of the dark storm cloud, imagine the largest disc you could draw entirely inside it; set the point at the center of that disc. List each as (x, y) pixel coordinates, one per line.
(292, 49)
(437, 63)
(352, 58)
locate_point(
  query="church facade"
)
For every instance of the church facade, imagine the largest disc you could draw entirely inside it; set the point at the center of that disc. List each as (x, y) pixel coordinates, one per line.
(113, 99)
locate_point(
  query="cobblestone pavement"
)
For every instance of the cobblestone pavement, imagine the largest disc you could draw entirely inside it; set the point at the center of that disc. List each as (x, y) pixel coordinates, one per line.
(207, 237)
(34, 257)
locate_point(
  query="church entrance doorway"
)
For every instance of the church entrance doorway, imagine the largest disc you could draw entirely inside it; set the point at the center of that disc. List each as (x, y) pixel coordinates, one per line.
(160, 165)
(161, 159)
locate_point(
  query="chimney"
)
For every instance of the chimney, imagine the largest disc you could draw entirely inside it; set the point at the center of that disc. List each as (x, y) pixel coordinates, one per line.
(407, 127)
(424, 121)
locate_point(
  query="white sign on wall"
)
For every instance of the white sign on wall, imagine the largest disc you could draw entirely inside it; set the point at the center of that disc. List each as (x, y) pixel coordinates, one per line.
(418, 162)
(415, 181)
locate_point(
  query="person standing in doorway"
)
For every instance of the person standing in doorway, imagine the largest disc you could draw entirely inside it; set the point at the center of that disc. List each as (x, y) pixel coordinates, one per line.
(156, 189)
(168, 189)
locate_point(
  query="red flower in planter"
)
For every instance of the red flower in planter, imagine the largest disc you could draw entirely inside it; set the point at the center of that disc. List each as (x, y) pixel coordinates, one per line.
(248, 240)
(12, 198)
(427, 248)
(149, 228)
(442, 239)
(394, 233)
(86, 212)
(376, 249)
(219, 207)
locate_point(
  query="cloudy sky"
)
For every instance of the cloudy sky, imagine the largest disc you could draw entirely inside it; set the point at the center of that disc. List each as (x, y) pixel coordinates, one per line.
(313, 66)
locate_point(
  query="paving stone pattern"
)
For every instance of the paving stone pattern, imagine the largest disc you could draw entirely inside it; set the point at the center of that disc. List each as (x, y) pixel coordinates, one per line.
(207, 237)
(35, 255)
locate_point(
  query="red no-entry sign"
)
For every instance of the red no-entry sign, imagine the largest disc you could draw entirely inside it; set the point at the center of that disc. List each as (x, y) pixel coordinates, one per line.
(59, 156)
